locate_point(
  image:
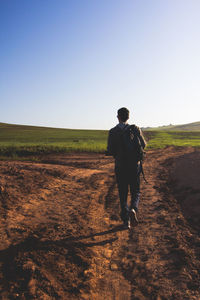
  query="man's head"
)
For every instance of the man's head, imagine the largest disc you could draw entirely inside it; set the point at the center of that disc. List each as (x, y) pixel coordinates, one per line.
(123, 114)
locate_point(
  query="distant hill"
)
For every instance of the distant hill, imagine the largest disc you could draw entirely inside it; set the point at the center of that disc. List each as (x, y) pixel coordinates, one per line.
(195, 126)
(183, 127)
(30, 140)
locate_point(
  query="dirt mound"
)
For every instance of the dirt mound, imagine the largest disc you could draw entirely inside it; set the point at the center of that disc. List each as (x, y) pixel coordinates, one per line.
(185, 182)
(61, 236)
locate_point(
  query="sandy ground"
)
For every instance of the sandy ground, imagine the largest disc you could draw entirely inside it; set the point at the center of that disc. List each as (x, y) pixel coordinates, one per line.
(60, 234)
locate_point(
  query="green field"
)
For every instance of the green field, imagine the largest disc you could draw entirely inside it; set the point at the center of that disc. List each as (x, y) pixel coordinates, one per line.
(29, 140)
(161, 139)
(21, 141)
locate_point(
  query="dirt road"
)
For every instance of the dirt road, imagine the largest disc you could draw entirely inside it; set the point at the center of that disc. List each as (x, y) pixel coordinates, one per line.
(61, 237)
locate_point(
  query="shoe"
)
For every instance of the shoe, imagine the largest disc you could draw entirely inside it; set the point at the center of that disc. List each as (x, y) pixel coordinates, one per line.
(133, 218)
(127, 224)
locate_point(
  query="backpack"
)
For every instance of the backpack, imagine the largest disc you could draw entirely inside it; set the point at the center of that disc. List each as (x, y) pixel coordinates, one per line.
(132, 148)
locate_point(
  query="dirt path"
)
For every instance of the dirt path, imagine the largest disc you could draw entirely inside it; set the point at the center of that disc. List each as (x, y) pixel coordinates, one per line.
(61, 236)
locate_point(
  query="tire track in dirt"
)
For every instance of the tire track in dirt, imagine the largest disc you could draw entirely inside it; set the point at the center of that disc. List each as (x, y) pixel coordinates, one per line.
(106, 280)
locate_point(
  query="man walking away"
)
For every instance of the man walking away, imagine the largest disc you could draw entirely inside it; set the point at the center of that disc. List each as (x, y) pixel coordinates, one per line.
(124, 144)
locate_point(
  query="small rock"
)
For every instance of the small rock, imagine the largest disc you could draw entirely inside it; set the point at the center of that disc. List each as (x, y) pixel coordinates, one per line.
(88, 273)
(113, 267)
(108, 253)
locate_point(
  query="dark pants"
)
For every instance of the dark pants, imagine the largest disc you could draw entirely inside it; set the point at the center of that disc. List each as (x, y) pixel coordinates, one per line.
(128, 178)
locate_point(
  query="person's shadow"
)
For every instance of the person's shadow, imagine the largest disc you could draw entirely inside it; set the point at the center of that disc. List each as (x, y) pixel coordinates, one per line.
(13, 271)
(32, 242)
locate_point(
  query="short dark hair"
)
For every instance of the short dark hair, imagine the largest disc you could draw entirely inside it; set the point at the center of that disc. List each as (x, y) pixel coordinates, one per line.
(123, 113)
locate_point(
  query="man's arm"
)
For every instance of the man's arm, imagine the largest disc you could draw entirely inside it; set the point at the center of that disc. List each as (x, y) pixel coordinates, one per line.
(111, 144)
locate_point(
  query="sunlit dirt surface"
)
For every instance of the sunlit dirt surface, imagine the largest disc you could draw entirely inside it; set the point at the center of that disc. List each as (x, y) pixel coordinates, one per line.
(60, 234)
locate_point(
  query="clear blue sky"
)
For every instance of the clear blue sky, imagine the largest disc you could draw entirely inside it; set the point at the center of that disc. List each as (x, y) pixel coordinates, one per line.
(73, 63)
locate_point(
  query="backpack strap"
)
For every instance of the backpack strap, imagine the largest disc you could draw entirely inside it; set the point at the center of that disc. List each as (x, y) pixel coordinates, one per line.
(142, 171)
(136, 131)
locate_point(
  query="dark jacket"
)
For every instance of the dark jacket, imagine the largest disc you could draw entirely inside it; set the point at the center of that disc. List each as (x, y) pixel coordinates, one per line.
(115, 147)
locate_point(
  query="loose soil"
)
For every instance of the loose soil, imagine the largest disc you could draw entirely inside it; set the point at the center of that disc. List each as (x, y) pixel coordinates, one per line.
(61, 235)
